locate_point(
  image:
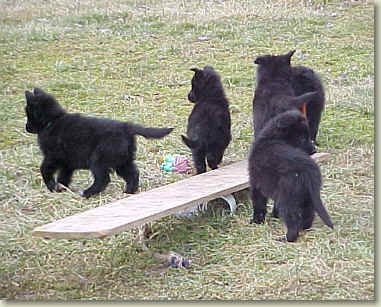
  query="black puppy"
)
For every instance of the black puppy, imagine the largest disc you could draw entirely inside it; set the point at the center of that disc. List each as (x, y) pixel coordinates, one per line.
(72, 141)
(280, 168)
(208, 130)
(304, 80)
(274, 92)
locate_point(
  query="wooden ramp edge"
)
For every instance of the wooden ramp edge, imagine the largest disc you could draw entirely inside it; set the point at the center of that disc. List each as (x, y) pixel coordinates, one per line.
(138, 209)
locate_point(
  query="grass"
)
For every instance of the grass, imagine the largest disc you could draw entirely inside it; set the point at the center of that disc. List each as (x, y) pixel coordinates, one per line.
(130, 60)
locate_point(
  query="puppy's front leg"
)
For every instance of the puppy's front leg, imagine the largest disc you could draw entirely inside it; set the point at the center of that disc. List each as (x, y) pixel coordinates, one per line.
(259, 202)
(64, 177)
(47, 169)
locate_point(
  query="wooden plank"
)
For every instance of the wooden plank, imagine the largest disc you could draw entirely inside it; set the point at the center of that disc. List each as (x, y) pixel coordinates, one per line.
(138, 209)
(141, 208)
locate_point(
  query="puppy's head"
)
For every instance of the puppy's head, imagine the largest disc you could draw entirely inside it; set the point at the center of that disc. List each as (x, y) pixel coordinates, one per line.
(41, 110)
(292, 128)
(205, 82)
(274, 65)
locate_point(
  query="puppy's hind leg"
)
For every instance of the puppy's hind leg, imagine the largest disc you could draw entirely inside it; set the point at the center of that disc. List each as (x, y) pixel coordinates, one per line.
(259, 202)
(101, 180)
(130, 173)
(275, 212)
(308, 215)
(198, 156)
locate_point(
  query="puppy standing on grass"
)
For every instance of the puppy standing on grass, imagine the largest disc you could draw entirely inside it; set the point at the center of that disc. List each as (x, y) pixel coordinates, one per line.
(208, 131)
(275, 93)
(72, 141)
(280, 168)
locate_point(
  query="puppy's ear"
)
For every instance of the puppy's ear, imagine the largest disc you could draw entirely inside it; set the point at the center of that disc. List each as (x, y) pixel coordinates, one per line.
(289, 55)
(28, 96)
(306, 98)
(208, 68)
(259, 60)
(38, 91)
(198, 72)
(262, 59)
(195, 69)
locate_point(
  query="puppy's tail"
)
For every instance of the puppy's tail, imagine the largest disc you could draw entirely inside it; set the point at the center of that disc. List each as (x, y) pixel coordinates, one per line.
(190, 143)
(318, 205)
(319, 208)
(306, 98)
(151, 133)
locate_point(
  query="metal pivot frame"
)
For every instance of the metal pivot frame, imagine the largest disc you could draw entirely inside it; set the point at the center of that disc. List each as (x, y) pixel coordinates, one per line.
(194, 210)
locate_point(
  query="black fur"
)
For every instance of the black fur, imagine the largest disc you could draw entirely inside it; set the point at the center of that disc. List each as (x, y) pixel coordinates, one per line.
(208, 130)
(73, 141)
(280, 168)
(305, 80)
(274, 92)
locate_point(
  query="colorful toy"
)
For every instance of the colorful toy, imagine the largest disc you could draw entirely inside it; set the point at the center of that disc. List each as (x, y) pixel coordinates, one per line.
(176, 163)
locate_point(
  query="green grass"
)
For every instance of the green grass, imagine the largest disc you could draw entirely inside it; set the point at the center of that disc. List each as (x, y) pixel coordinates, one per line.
(130, 60)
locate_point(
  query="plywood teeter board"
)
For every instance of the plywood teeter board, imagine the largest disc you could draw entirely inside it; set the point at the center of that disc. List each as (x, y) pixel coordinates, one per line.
(138, 209)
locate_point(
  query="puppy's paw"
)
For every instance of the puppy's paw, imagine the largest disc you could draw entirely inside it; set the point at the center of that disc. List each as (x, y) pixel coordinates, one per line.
(281, 239)
(52, 186)
(87, 194)
(60, 187)
(130, 189)
(258, 218)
